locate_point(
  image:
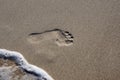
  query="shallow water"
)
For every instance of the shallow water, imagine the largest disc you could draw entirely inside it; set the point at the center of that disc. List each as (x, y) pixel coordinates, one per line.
(22, 63)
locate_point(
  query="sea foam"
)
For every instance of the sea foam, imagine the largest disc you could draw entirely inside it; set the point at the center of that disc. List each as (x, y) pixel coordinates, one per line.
(23, 64)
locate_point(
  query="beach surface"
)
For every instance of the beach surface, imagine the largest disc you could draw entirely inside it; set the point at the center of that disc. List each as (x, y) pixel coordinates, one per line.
(95, 25)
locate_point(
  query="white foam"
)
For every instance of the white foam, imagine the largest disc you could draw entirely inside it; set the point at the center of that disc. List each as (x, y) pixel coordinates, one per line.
(19, 59)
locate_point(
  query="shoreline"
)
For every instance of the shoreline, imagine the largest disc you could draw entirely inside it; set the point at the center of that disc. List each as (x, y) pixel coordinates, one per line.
(23, 64)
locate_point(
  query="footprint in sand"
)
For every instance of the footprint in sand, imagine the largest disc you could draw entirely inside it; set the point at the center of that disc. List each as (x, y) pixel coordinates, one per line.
(59, 37)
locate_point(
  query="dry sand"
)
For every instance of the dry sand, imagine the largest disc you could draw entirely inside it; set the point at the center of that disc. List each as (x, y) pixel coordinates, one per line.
(95, 25)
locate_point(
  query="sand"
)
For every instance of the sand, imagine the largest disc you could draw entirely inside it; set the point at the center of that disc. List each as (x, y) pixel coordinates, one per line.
(95, 25)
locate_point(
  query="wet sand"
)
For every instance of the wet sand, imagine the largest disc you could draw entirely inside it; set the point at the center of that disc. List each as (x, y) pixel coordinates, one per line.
(95, 25)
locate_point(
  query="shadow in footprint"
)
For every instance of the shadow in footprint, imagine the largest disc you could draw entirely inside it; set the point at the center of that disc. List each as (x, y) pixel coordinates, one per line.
(37, 33)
